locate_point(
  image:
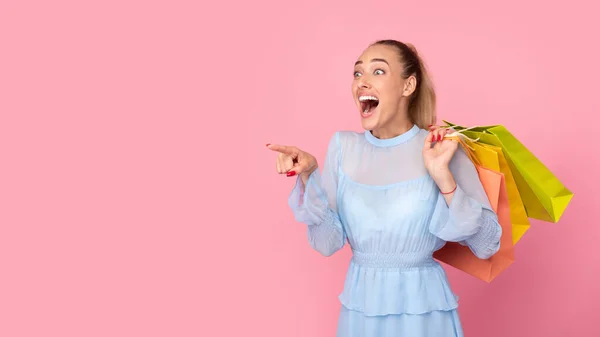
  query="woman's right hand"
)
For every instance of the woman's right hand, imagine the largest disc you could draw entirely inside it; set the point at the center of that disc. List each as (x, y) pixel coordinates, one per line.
(293, 161)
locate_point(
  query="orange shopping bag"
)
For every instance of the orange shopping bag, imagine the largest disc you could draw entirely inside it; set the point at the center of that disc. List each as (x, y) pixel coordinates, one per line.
(461, 257)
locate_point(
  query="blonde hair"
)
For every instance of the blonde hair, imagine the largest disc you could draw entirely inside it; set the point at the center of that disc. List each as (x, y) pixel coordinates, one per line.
(422, 104)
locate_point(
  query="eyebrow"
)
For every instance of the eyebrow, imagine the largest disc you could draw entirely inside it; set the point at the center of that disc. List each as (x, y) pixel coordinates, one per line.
(372, 60)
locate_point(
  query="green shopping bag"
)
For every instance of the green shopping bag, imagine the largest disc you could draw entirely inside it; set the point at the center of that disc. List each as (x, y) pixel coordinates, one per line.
(544, 196)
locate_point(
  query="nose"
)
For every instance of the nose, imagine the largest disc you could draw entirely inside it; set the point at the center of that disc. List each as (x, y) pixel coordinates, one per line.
(363, 83)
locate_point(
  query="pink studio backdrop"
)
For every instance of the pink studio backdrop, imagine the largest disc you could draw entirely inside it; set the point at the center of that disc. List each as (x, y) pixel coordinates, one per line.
(137, 198)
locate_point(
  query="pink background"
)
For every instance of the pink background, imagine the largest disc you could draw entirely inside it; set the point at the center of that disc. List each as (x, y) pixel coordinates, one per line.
(137, 198)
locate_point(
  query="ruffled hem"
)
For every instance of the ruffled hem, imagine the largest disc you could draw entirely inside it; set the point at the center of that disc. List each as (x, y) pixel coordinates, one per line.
(373, 314)
(386, 291)
(432, 324)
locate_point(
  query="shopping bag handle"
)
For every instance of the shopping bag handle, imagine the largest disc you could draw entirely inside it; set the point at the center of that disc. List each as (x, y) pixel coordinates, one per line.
(462, 139)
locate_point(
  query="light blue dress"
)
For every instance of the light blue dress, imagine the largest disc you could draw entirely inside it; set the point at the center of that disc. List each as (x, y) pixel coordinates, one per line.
(376, 195)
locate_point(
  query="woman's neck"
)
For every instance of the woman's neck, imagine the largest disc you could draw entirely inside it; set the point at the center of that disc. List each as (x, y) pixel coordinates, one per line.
(394, 129)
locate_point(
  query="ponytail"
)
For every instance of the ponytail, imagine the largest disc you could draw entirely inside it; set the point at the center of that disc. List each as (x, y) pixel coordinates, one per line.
(422, 104)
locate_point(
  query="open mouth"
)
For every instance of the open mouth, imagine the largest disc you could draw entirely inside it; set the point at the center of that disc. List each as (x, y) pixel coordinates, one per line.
(368, 104)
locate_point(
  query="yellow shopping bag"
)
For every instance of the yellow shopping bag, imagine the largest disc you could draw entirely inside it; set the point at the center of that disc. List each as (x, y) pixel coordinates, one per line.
(544, 196)
(492, 157)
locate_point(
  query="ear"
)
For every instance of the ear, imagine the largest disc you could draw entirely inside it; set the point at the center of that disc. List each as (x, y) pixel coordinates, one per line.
(409, 86)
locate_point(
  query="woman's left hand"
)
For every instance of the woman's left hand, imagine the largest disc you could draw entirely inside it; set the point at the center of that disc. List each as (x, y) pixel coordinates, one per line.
(437, 157)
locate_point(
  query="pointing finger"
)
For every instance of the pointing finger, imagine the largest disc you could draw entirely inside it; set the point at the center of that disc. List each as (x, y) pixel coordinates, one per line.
(289, 150)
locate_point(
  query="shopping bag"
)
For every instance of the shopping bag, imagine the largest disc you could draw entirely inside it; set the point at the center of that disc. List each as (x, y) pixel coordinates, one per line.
(492, 157)
(461, 257)
(543, 194)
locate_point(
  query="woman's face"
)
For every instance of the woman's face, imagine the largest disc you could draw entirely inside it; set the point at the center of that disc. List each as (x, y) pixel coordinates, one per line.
(379, 88)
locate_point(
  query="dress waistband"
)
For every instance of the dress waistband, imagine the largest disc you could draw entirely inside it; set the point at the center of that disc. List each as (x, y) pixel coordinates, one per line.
(393, 260)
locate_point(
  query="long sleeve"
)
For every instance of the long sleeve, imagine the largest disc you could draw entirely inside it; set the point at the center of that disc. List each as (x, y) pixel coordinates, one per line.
(316, 206)
(469, 219)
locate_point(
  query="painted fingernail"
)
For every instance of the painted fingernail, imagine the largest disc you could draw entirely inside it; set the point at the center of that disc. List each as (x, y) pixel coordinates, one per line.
(268, 144)
(291, 173)
(439, 137)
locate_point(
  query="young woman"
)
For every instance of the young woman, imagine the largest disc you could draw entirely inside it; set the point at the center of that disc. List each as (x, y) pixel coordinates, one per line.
(396, 193)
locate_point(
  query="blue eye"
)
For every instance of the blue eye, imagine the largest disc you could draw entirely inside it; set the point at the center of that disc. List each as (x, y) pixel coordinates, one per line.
(379, 72)
(356, 74)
